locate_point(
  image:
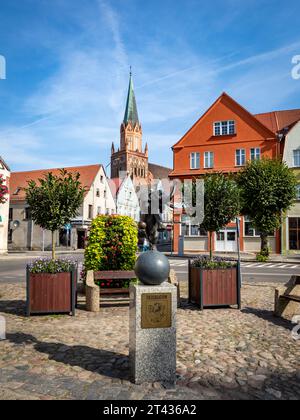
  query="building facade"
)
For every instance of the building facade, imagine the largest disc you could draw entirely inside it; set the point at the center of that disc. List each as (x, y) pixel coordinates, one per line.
(25, 235)
(291, 221)
(127, 201)
(223, 140)
(4, 208)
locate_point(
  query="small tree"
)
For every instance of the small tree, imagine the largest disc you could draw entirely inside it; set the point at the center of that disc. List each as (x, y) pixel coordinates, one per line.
(221, 203)
(268, 189)
(3, 190)
(55, 200)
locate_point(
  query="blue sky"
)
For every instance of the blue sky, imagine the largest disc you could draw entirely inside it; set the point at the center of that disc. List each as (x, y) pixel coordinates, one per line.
(68, 63)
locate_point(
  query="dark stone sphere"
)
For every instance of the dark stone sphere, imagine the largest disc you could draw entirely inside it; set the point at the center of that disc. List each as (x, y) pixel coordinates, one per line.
(152, 268)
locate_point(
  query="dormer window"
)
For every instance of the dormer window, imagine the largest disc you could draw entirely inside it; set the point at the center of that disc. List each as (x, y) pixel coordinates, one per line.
(224, 128)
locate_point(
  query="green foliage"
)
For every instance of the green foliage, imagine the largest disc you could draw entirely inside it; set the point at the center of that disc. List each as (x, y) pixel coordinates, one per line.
(112, 244)
(268, 188)
(261, 257)
(55, 200)
(50, 266)
(213, 264)
(221, 201)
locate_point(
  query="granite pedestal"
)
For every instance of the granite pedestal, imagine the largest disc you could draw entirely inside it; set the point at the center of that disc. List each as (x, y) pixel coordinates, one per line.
(152, 341)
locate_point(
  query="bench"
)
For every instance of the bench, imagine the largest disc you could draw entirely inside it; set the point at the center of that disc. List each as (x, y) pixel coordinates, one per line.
(94, 292)
(287, 299)
(291, 297)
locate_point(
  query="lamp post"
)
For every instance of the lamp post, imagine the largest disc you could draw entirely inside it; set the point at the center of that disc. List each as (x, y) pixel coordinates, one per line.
(238, 230)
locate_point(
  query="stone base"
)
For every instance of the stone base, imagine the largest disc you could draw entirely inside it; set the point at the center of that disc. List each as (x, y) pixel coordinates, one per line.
(152, 351)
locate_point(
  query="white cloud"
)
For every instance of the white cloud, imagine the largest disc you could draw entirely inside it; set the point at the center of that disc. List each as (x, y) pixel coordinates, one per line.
(75, 114)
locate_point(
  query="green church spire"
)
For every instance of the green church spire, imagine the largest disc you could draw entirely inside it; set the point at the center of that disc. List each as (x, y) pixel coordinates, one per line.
(131, 114)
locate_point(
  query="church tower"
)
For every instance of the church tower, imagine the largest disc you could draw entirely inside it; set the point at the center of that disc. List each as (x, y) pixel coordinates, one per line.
(130, 156)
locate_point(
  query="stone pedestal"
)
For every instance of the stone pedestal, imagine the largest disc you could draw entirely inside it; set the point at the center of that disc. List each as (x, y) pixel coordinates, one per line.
(152, 341)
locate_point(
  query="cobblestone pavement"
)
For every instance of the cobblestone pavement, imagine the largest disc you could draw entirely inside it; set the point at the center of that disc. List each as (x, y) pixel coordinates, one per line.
(222, 354)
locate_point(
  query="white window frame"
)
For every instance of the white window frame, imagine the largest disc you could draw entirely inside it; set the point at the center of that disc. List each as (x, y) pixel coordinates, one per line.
(296, 155)
(209, 160)
(189, 224)
(255, 153)
(247, 220)
(224, 128)
(298, 192)
(242, 152)
(255, 235)
(194, 160)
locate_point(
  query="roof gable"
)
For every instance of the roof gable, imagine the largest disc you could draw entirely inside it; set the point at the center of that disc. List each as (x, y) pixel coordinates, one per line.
(19, 180)
(3, 164)
(236, 109)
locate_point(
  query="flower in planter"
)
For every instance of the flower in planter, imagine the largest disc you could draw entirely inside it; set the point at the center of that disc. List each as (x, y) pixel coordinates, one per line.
(50, 266)
(216, 263)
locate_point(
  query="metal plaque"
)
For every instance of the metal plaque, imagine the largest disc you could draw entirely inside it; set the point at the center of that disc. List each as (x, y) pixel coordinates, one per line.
(156, 310)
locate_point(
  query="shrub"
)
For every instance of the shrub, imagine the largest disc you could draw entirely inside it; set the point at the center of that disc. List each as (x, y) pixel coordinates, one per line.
(112, 244)
(50, 266)
(217, 262)
(261, 257)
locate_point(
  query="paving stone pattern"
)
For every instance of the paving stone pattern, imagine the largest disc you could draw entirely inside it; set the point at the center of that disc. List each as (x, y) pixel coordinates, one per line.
(222, 354)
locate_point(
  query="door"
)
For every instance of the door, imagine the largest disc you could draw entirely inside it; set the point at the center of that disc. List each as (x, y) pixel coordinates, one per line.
(226, 241)
(231, 244)
(81, 239)
(220, 241)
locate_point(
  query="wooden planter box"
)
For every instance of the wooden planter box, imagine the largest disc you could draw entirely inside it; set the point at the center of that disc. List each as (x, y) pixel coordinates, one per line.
(51, 293)
(213, 288)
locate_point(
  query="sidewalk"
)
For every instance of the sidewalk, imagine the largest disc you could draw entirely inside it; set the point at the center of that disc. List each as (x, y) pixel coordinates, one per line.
(245, 257)
(221, 354)
(38, 254)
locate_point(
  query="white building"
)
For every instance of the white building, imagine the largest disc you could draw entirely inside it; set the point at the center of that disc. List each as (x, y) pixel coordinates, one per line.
(27, 236)
(4, 209)
(127, 202)
(291, 223)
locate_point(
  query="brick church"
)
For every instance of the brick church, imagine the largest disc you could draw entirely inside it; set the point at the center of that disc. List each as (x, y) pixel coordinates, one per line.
(131, 157)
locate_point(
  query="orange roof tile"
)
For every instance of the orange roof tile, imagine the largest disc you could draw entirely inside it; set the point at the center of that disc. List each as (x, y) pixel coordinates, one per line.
(19, 180)
(277, 120)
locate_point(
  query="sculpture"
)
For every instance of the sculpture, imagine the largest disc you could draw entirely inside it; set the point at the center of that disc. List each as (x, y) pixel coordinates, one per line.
(151, 221)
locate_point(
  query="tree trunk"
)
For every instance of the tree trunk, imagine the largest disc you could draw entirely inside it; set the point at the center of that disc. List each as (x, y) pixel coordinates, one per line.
(210, 246)
(53, 246)
(264, 250)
